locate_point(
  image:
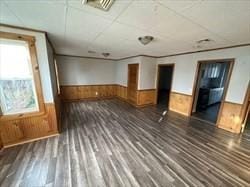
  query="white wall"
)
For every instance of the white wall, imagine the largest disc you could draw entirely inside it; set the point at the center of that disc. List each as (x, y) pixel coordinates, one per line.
(185, 68)
(85, 71)
(121, 71)
(42, 58)
(147, 73)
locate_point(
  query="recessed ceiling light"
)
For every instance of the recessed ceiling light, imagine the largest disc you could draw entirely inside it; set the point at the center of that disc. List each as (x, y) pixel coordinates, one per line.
(100, 4)
(105, 54)
(145, 39)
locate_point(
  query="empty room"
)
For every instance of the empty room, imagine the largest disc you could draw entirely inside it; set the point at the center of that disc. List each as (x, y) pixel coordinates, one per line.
(110, 93)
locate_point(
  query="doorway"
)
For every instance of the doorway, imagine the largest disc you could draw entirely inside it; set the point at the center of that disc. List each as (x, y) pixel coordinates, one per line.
(132, 83)
(210, 88)
(164, 83)
(246, 113)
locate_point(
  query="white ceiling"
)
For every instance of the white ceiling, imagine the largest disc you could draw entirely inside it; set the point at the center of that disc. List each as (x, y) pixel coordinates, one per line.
(74, 28)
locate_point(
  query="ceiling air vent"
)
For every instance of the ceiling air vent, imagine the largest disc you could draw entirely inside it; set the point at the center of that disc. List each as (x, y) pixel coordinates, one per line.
(101, 4)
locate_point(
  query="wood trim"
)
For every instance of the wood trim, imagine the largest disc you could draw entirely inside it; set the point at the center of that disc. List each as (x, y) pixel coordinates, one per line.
(137, 78)
(152, 89)
(89, 57)
(80, 85)
(36, 74)
(22, 28)
(158, 80)
(205, 50)
(180, 93)
(225, 91)
(245, 108)
(14, 36)
(30, 140)
(121, 85)
(135, 56)
(162, 56)
(194, 91)
(1, 144)
(124, 58)
(31, 30)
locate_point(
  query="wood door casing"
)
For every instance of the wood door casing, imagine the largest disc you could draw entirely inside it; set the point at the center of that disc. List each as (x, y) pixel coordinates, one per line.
(132, 82)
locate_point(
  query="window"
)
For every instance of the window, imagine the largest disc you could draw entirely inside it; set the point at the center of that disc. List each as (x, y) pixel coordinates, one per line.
(18, 76)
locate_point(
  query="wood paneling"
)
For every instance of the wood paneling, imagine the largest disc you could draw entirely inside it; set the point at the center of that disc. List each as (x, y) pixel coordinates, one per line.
(146, 97)
(180, 103)
(121, 92)
(78, 92)
(132, 83)
(230, 117)
(1, 143)
(21, 130)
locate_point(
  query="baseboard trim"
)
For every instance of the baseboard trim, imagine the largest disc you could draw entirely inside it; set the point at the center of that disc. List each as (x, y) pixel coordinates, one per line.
(87, 99)
(30, 140)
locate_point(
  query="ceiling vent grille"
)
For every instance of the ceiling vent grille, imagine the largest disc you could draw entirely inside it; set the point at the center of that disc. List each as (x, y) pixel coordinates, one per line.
(101, 4)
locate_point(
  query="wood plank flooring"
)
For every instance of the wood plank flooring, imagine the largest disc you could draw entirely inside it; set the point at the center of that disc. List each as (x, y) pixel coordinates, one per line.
(110, 143)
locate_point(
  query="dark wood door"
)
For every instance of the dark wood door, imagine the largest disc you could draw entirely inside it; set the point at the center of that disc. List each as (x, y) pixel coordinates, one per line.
(132, 82)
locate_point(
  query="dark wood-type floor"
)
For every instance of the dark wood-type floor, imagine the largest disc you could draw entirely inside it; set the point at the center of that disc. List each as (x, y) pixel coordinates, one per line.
(209, 114)
(110, 143)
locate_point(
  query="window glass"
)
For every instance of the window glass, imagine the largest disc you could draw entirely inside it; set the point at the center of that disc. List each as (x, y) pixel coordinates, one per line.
(17, 87)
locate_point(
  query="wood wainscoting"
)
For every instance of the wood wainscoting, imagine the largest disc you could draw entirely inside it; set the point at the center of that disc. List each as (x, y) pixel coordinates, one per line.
(79, 92)
(180, 103)
(121, 92)
(1, 143)
(230, 117)
(18, 131)
(146, 97)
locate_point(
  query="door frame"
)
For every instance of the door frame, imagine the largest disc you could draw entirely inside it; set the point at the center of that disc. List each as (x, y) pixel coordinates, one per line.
(230, 61)
(246, 108)
(158, 80)
(137, 78)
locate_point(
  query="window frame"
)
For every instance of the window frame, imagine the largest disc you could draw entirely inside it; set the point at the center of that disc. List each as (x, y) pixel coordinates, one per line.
(30, 40)
(57, 77)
